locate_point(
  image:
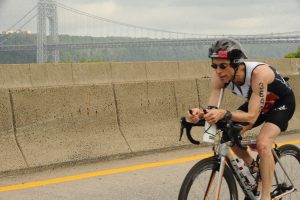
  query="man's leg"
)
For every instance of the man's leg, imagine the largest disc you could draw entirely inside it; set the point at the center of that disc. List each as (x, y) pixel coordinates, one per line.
(264, 141)
(243, 154)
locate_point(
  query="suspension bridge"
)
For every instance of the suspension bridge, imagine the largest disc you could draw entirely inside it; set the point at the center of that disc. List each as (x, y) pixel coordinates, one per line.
(48, 43)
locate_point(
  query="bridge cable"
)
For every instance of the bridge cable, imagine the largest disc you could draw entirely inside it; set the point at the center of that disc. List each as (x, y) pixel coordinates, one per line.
(10, 28)
(10, 35)
(121, 23)
(165, 31)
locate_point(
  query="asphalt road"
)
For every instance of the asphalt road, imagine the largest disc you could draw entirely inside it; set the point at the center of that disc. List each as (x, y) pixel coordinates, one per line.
(149, 177)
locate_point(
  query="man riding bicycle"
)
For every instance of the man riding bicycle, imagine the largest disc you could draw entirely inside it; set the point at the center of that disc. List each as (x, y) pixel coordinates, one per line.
(270, 101)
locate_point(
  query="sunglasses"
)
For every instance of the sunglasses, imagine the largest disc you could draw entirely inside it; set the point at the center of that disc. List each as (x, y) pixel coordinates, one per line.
(222, 65)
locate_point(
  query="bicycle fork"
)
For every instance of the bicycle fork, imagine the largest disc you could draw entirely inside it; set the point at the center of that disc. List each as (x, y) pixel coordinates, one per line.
(220, 177)
(223, 152)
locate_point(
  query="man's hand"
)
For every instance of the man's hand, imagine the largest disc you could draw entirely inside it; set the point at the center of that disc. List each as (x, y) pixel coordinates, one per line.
(194, 115)
(214, 115)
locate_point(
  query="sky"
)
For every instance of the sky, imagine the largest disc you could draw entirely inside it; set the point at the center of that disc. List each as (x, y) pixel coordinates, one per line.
(207, 17)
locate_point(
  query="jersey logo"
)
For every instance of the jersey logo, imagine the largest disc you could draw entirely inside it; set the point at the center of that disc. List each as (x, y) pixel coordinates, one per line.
(281, 108)
(270, 101)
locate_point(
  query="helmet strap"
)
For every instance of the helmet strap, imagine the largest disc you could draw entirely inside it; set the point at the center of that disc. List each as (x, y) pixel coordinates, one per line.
(234, 75)
(235, 71)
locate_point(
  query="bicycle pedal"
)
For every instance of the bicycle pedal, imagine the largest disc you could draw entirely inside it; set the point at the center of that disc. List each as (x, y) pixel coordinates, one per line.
(279, 195)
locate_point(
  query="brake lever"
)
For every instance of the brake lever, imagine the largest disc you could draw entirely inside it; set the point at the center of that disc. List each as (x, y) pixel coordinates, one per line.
(184, 125)
(191, 139)
(188, 126)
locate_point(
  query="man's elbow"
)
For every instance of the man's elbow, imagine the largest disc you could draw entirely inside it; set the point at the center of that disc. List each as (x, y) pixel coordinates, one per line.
(252, 118)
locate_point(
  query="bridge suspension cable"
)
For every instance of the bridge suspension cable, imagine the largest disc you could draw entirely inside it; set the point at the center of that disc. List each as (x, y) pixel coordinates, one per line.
(125, 24)
(22, 18)
(5, 39)
(182, 34)
(21, 26)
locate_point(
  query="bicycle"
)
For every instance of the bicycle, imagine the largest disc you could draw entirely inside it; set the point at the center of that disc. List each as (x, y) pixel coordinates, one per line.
(216, 175)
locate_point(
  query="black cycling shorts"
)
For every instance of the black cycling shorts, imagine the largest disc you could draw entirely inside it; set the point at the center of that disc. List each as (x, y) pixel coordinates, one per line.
(280, 113)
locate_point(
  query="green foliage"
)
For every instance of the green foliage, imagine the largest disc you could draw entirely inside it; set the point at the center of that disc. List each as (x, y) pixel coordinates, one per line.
(16, 57)
(293, 54)
(154, 53)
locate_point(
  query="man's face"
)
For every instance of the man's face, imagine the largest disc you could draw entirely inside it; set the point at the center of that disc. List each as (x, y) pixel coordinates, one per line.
(223, 69)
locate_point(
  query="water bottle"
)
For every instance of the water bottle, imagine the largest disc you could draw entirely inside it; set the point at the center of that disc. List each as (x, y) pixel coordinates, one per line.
(210, 132)
(250, 180)
(244, 172)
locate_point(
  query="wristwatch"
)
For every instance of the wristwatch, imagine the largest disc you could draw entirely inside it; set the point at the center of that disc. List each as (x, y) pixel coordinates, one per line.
(228, 116)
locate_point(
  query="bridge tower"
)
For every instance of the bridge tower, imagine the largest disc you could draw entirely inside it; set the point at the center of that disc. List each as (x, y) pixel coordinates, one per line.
(47, 9)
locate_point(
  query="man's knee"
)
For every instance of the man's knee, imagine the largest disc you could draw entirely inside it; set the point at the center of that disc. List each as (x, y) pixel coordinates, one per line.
(264, 146)
(266, 137)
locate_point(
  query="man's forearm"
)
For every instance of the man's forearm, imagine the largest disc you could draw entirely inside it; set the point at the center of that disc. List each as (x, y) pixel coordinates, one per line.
(241, 116)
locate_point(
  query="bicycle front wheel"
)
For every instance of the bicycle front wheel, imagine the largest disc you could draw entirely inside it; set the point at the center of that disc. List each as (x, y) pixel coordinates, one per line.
(201, 182)
(289, 156)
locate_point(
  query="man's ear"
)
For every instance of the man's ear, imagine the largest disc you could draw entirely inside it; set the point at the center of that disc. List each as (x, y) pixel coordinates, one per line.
(235, 54)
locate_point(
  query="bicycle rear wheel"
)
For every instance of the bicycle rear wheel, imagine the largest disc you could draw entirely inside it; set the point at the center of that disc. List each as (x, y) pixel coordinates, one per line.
(201, 182)
(289, 156)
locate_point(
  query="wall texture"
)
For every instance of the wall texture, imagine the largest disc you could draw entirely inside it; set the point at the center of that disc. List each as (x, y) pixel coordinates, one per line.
(51, 114)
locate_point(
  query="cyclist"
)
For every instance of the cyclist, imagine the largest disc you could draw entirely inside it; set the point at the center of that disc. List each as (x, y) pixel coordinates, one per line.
(269, 101)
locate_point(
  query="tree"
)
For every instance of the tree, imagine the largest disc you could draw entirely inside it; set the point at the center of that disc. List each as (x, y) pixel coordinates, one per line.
(293, 54)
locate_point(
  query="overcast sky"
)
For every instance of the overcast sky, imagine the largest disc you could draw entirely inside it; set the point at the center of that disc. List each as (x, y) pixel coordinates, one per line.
(211, 17)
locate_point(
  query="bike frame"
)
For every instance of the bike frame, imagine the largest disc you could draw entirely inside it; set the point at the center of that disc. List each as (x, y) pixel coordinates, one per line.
(224, 155)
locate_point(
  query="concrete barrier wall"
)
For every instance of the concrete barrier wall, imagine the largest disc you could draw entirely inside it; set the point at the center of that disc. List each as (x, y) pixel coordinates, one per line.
(37, 75)
(147, 113)
(63, 124)
(41, 126)
(10, 155)
(284, 66)
(295, 84)
(15, 76)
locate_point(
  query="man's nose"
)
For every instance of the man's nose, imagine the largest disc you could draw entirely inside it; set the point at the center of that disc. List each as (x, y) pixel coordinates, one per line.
(218, 70)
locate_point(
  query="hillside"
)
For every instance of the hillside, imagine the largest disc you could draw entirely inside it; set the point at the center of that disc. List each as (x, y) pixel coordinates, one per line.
(130, 54)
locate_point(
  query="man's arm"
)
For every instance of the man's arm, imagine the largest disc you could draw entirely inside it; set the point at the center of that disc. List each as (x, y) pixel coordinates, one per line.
(261, 77)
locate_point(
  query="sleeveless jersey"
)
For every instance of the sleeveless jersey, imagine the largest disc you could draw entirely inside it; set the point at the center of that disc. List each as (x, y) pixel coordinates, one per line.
(277, 90)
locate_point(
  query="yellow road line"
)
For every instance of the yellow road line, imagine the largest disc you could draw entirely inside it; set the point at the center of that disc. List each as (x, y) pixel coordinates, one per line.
(112, 171)
(289, 142)
(100, 173)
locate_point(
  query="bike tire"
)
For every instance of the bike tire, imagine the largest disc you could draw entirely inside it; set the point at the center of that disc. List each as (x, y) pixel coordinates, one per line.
(209, 165)
(289, 156)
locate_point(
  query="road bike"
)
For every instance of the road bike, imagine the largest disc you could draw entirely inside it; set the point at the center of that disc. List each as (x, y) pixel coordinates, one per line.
(216, 177)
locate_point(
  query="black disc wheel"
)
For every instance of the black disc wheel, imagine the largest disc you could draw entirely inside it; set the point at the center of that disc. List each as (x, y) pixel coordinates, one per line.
(201, 182)
(289, 156)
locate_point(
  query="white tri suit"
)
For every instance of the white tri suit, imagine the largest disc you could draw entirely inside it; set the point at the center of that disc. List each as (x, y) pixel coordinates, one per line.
(280, 100)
